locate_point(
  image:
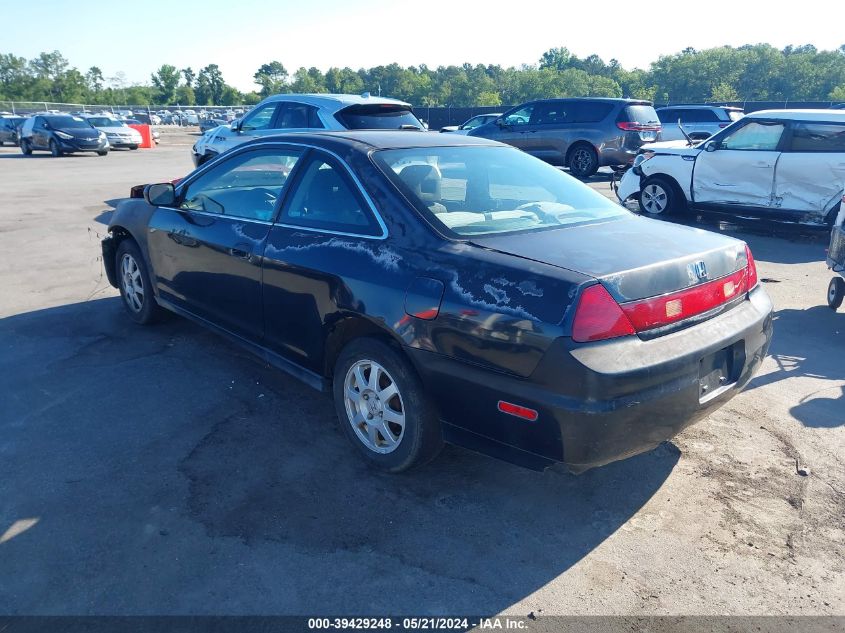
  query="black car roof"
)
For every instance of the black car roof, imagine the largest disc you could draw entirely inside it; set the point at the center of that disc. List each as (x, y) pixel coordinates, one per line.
(382, 139)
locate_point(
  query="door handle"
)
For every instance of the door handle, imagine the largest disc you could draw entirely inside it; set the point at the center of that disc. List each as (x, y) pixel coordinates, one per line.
(761, 164)
(236, 252)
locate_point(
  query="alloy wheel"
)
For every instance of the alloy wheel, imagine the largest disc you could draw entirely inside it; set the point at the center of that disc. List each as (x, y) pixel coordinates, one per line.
(582, 160)
(132, 283)
(374, 406)
(654, 199)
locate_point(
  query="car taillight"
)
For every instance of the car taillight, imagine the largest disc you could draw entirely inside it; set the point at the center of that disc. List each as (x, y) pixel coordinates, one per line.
(599, 317)
(633, 126)
(647, 314)
(751, 268)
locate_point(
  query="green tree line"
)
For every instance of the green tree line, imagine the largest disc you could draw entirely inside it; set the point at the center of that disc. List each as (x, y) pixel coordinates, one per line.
(757, 72)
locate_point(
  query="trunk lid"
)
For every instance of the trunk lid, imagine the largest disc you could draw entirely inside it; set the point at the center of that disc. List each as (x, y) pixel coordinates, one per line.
(633, 257)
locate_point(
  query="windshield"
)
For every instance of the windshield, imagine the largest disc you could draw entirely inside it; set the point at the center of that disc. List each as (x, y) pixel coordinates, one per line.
(482, 190)
(104, 121)
(64, 122)
(641, 114)
(386, 116)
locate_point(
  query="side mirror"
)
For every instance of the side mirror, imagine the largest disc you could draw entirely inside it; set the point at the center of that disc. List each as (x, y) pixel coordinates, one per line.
(160, 195)
(500, 122)
(236, 125)
(711, 146)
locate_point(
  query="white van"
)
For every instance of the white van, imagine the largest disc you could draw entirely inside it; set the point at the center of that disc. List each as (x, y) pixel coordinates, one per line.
(780, 164)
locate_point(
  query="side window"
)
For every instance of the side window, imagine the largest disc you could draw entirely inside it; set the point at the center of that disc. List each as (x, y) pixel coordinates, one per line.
(297, 116)
(326, 199)
(667, 116)
(589, 111)
(818, 137)
(551, 112)
(754, 136)
(260, 118)
(245, 186)
(699, 116)
(521, 116)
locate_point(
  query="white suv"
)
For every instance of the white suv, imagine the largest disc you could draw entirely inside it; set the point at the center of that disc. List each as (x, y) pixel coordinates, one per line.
(307, 112)
(780, 164)
(699, 121)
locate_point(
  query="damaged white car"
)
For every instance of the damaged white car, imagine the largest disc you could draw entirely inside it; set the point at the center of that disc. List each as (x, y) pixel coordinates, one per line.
(780, 164)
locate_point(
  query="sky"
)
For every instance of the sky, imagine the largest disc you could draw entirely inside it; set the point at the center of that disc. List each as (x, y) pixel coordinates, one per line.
(240, 36)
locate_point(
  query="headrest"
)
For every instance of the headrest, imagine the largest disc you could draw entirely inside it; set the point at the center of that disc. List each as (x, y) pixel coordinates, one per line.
(424, 181)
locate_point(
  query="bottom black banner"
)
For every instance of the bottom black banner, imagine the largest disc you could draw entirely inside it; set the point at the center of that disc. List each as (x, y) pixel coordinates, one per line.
(527, 624)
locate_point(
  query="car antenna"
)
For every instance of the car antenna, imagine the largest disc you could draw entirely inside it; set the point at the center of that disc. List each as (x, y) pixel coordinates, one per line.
(684, 132)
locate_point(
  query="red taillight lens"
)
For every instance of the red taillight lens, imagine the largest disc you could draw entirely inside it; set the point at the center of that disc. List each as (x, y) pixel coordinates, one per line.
(751, 269)
(648, 314)
(633, 126)
(599, 317)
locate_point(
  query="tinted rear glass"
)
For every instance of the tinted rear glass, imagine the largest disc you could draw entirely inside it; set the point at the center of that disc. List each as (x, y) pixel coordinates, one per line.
(484, 190)
(818, 137)
(66, 121)
(377, 117)
(641, 114)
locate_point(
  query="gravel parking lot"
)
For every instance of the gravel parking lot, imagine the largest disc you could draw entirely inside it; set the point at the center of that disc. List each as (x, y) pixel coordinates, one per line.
(163, 471)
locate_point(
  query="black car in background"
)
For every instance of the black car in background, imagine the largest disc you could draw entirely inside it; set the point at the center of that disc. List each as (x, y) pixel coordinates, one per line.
(10, 126)
(61, 134)
(581, 134)
(449, 288)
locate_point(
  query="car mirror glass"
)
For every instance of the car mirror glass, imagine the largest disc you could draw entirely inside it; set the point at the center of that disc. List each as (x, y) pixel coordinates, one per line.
(160, 195)
(711, 146)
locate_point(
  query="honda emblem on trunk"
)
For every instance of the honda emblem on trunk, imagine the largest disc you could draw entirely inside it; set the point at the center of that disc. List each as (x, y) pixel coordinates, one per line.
(700, 270)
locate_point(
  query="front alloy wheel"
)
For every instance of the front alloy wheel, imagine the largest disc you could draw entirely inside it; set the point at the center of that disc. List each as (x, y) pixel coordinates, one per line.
(658, 197)
(374, 406)
(132, 283)
(654, 199)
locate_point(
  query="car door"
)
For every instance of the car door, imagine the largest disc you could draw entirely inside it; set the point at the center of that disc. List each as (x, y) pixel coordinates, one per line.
(323, 254)
(547, 133)
(513, 129)
(738, 169)
(811, 171)
(257, 124)
(206, 250)
(40, 133)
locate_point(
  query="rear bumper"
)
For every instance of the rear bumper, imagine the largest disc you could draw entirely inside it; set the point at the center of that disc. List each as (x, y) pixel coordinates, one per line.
(601, 402)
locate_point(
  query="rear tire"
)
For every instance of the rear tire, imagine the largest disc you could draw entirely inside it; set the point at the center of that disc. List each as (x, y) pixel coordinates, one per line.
(583, 161)
(383, 408)
(103, 153)
(658, 198)
(835, 292)
(55, 151)
(26, 148)
(133, 280)
(133, 147)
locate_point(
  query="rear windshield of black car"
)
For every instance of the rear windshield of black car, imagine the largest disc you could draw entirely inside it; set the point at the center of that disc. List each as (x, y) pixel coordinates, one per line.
(641, 114)
(65, 122)
(475, 190)
(378, 117)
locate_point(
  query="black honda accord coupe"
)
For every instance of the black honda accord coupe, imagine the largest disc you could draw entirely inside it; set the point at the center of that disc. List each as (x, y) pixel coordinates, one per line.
(448, 288)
